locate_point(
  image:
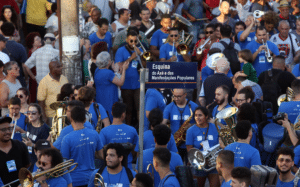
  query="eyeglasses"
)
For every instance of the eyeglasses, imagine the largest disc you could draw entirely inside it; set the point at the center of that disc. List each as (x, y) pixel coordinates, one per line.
(7, 129)
(285, 160)
(135, 41)
(42, 163)
(173, 35)
(209, 32)
(7, 6)
(32, 112)
(240, 100)
(19, 96)
(177, 96)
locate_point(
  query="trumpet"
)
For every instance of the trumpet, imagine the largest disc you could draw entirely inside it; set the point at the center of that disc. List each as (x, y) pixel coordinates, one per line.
(268, 55)
(147, 56)
(99, 181)
(200, 49)
(258, 14)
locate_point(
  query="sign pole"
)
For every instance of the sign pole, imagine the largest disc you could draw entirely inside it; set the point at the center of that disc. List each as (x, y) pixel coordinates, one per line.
(141, 121)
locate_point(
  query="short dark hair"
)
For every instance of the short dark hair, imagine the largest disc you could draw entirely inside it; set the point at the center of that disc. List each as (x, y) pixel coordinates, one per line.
(53, 7)
(165, 16)
(102, 21)
(1, 64)
(242, 129)
(8, 29)
(225, 88)
(174, 29)
(163, 155)
(240, 23)
(118, 109)
(211, 25)
(155, 117)
(296, 86)
(162, 134)
(226, 31)
(24, 90)
(144, 180)
(136, 18)
(75, 103)
(248, 92)
(242, 174)
(122, 11)
(131, 33)
(279, 58)
(86, 94)
(14, 101)
(240, 79)
(56, 157)
(246, 55)
(144, 8)
(77, 87)
(78, 114)
(260, 28)
(133, 28)
(226, 157)
(286, 151)
(120, 151)
(247, 112)
(203, 110)
(213, 51)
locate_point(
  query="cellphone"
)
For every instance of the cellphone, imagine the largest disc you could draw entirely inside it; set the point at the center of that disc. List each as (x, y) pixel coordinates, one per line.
(23, 135)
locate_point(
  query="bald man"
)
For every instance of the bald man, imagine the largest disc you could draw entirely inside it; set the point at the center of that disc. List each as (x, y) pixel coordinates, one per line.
(48, 89)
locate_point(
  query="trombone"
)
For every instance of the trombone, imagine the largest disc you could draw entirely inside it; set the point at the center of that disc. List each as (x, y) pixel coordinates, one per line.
(200, 49)
(147, 56)
(268, 55)
(98, 180)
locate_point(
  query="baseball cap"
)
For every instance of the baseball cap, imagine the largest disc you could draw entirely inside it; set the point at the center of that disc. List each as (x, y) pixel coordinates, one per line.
(42, 144)
(5, 119)
(50, 36)
(2, 38)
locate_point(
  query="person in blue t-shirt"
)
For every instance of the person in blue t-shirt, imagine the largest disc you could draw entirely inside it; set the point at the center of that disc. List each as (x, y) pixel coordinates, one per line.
(244, 154)
(221, 99)
(115, 173)
(153, 99)
(118, 132)
(168, 51)
(18, 119)
(161, 163)
(162, 134)
(67, 129)
(142, 180)
(240, 177)
(160, 36)
(155, 118)
(130, 90)
(102, 35)
(86, 95)
(177, 113)
(225, 164)
(82, 145)
(248, 35)
(259, 50)
(203, 136)
(285, 163)
(49, 158)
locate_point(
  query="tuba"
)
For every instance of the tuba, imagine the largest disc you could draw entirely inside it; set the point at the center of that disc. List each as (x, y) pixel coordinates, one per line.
(59, 120)
(227, 132)
(205, 160)
(289, 96)
(99, 181)
(258, 14)
(179, 135)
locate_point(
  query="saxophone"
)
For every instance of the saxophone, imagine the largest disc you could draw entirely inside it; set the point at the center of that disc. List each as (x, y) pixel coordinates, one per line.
(179, 135)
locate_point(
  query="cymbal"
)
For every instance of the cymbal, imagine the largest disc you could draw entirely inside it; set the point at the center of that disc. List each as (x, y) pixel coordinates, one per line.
(182, 20)
(58, 104)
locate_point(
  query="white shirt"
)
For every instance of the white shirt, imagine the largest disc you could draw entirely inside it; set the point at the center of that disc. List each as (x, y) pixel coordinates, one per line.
(119, 4)
(52, 21)
(243, 11)
(103, 5)
(4, 57)
(285, 47)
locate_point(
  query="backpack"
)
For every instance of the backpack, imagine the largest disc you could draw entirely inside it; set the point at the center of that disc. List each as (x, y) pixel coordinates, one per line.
(232, 55)
(128, 172)
(271, 89)
(184, 176)
(264, 111)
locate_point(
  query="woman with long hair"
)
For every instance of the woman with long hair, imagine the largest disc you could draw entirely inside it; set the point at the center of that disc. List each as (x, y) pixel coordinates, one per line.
(23, 95)
(66, 92)
(8, 14)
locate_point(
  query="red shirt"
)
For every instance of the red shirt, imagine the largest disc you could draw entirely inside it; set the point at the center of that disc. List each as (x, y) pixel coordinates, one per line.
(212, 4)
(12, 3)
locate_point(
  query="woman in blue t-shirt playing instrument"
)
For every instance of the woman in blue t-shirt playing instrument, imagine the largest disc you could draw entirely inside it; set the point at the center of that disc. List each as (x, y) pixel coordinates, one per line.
(203, 135)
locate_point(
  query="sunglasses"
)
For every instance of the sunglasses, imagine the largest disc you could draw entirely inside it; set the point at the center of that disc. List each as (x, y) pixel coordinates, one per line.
(209, 32)
(173, 35)
(135, 41)
(42, 163)
(32, 112)
(7, 129)
(286, 160)
(19, 96)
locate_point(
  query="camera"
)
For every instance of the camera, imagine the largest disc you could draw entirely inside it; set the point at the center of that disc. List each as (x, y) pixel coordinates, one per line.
(279, 116)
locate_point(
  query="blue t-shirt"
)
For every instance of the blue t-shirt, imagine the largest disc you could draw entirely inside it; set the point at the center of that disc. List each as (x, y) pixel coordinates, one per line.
(251, 37)
(94, 114)
(81, 146)
(297, 156)
(57, 182)
(132, 76)
(215, 112)
(148, 159)
(244, 154)
(153, 99)
(95, 39)
(111, 180)
(120, 134)
(206, 72)
(67, 130)
(167, 51)
(296, 70)
(260, 64)
(158, 38)
(292, 108)
(169, 181)
(286, 184)
(21, 124)
(149, 142)
(195, 135)
(106, 91)
(226, 184)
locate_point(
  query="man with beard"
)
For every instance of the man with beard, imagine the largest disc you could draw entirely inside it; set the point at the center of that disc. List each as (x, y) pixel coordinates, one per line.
(13, 153)
(244, 95)
(285, 162)
(225, 164)
(221, 98)
(115, 173)
(130, 90)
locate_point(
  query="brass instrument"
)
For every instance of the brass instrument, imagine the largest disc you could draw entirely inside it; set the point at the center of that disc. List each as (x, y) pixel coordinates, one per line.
(205, 160)
(267, 53)
(150, 166)
(147, 56)
(27, 178)
(227, 132)
(182, 48)
(179, 135)
(199, 50)
(58, 121)
(15, 124)
(258, 14)
(289, 96)
(297, 124)
(99, 181)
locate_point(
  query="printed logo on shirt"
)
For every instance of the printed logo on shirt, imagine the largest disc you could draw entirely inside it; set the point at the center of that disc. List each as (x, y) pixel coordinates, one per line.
(164, 40)
(186, 117)
(170, 53)
(297, 42)
(175, 117)
(284, 49)
(249, 39)
(210, 137)
(113, 185)
(199, 138)
(274, 39)
(11, 165)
